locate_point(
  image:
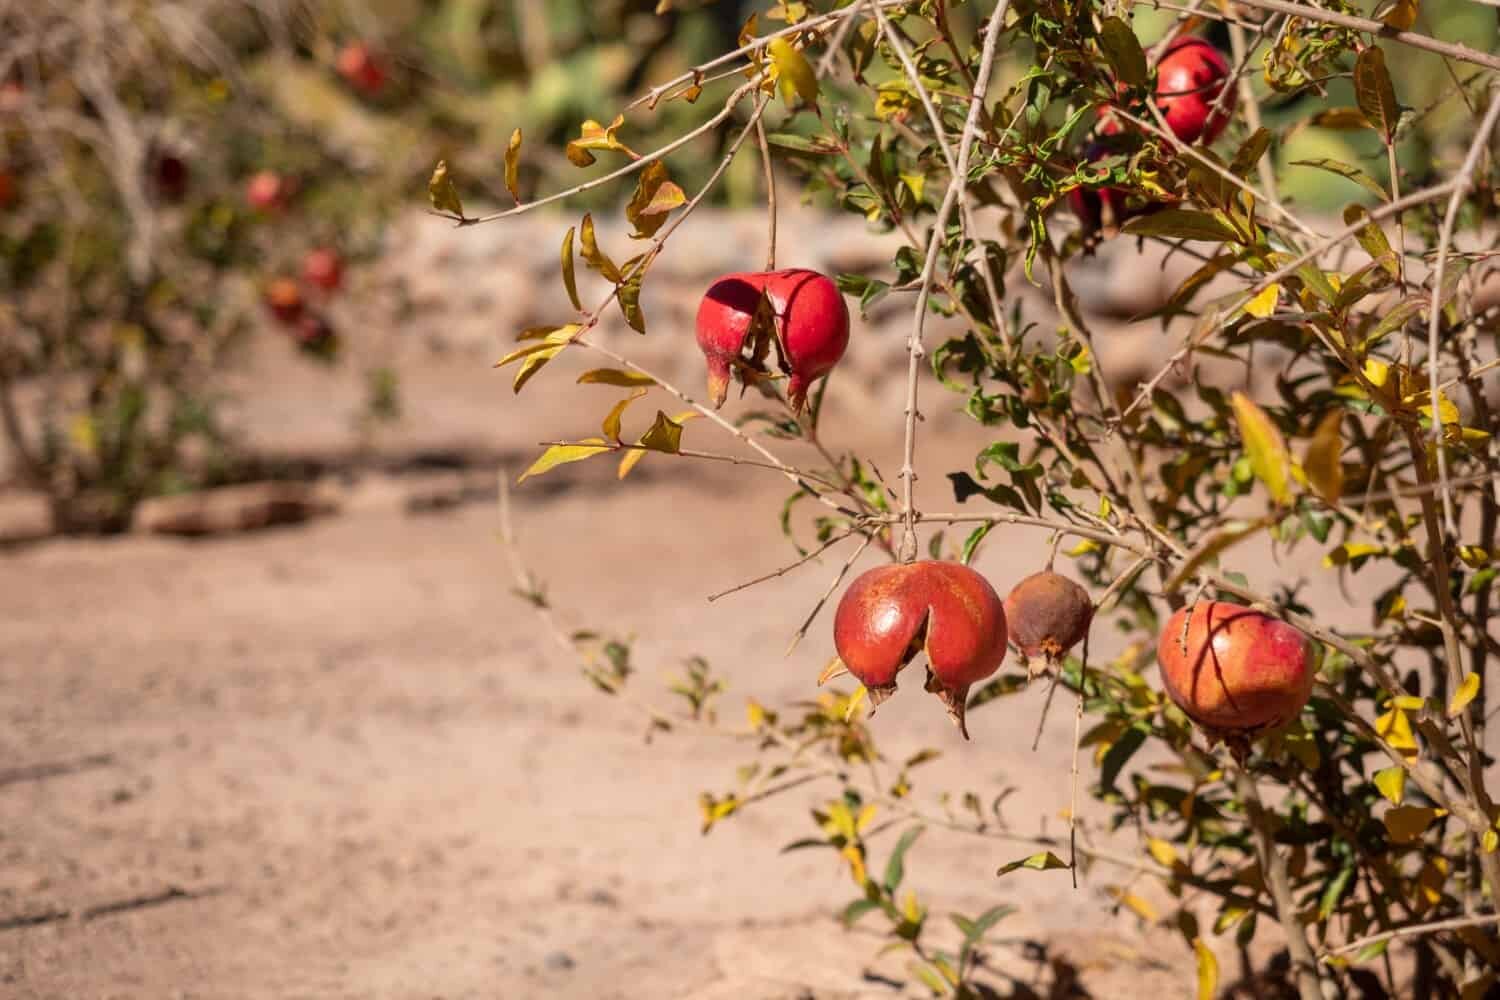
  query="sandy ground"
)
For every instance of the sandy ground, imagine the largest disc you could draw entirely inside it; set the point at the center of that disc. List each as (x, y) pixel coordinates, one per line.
(342, 760)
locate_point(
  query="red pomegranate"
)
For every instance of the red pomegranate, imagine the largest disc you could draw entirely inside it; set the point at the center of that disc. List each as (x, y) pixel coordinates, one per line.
(1233, 670)
(323, 268)
(267, 191)
(1189, 77)
(1047, 615)
(810, 319)
(283, 298)
(361, 68)
(892, 612)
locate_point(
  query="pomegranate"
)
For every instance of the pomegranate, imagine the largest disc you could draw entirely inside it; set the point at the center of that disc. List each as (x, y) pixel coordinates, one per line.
(361, 69)
(1234, 670)
(267, 191)
(171, 175)
(810, 321)
(1189, 77)
(284, 298)
(323, 268)
(1047, 614)
(891, 612)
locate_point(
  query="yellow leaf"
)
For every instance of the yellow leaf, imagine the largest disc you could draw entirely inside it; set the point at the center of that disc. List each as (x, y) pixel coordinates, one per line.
(1134, 903)
(1208, 970)
(1392, 783)
(1325, 473)
(1406, 823)
(615, 376)
(865, 818)
(794, 74)
(1164, 853)
(570, 279)
(655, 195)
(544, 338)
(513, 166)
(442, 193)
(1377, 372)
(1402, 15)
(1395, 728)
(755, 714)
(591, 136)
(1269, 459)
(1430, 881)
(1467, 692)
(562, 454)
(856, 858)
(611, 426)
(1490, 841)
(593, 256)
(1264, 304)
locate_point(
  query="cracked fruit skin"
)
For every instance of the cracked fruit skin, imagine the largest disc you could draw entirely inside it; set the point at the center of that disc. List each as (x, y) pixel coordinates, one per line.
(1235, 671)
(1048, 614)
(889, 613)
(811, 324)
(1189, 77)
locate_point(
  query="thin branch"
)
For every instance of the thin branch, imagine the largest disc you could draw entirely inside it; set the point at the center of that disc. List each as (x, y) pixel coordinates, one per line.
(1413, 930)
(784, 570)
(1417, 41)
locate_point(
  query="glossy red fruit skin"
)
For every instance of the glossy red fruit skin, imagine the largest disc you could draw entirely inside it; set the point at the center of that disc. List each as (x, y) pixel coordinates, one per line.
(358, 65)
(812, 323)
(266, 191)
(1047, 614)
(1238, 671)
(950, 608)
(323, 268)
(1189, 77)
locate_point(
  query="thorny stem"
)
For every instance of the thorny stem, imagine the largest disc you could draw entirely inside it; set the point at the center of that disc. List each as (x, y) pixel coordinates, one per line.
(954, 195)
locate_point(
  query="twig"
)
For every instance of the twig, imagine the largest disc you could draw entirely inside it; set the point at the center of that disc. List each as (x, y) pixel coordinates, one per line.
(783, 571)
(812, 615)
(1417, 41)
(1462, 183)
(1413, 930)
(954, 195)
(765, 159)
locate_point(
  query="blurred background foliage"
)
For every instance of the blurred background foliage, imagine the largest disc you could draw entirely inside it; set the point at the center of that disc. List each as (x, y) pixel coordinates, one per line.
(132, 264)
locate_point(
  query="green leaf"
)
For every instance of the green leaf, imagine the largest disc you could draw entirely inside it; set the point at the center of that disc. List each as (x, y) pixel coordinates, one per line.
(1181, 224)
(971, 544)
(1123, 50)
(1269, 459)
(1374, 93)
(665, 435)
(1118, 754)
(988, 919)
(794, 74)
(614, 376)
(513, 166)
(1346, 171)
(442, 193)
(1334, 891)
(851, 913)
(562, 454)
(570, 279)
(895, 868)
(1250, 152)
(1372, 238)
(1041, 862)
(801, 143)
(593, 256)
(1343, 119)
